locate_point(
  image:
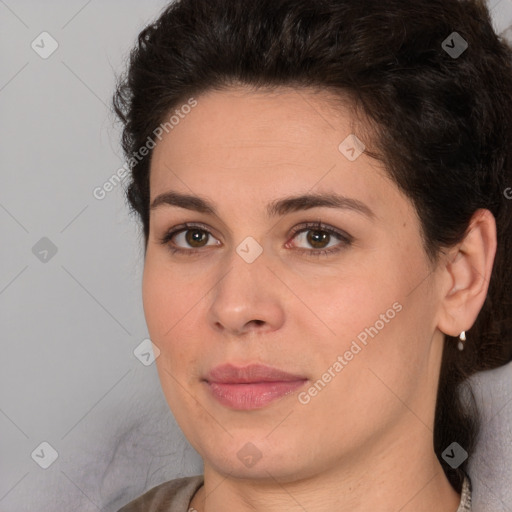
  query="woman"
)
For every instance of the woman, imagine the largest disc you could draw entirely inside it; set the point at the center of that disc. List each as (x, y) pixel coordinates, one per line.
(322, 190)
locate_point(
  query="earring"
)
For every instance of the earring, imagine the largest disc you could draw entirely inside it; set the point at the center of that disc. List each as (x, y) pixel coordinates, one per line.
(462, 337)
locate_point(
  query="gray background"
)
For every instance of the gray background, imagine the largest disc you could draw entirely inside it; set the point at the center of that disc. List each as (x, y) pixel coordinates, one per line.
(72, 320)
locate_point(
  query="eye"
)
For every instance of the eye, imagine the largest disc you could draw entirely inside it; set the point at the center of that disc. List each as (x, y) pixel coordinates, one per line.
(195, 235)
(316, 234)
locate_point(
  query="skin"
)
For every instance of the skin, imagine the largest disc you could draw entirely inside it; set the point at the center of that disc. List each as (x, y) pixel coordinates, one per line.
(365, 441)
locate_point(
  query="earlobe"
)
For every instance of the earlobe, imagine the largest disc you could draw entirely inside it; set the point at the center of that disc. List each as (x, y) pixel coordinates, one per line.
(467, 273)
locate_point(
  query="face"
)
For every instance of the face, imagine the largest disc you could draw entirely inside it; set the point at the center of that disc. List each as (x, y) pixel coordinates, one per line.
(339, 294)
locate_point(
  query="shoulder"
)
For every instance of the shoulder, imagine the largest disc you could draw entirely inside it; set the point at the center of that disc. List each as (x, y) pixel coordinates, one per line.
(171, 496)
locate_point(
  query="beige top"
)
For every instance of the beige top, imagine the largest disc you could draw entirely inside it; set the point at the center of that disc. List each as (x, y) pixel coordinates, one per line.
(176, 495)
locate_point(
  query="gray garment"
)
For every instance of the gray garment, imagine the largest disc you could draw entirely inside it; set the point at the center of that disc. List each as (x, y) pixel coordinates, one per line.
(172, 496)
(465, 496)
(175, 496)
(490, 465)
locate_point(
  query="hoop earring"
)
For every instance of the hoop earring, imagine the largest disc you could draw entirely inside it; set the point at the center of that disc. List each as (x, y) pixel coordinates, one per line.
(462, 337)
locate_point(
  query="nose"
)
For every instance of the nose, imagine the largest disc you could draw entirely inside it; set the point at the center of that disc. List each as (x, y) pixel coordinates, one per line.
(247, 298)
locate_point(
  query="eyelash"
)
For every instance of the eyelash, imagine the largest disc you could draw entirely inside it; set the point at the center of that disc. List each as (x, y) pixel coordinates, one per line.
(346, 240)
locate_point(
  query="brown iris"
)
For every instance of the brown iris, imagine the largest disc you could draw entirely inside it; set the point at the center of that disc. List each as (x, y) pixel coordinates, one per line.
(317, 237)
(194, 236)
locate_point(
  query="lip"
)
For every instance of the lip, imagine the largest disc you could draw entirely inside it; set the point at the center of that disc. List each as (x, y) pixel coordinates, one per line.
(231, 374)
(250, 387)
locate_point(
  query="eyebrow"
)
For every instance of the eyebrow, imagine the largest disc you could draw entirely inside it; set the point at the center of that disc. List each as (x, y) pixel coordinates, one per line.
(274, 208)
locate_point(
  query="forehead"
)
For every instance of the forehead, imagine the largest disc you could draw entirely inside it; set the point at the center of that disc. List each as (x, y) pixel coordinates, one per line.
(295, 114)
(263, 135)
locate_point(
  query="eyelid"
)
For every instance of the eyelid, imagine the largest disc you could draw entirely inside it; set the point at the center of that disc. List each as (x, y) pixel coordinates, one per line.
(344, 238)
(320, 226)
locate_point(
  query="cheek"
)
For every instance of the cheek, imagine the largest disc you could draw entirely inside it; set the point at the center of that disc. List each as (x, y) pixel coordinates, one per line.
(172, 300)
(354, 300)
(168, 296)
(371, 313)
(166, 302)
(372, 345)
(156, 300)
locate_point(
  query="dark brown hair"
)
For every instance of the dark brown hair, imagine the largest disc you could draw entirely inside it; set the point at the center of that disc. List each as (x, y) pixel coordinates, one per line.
(441, 123)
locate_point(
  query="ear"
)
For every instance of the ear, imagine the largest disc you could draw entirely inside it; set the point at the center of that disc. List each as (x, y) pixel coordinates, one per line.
(466, 274)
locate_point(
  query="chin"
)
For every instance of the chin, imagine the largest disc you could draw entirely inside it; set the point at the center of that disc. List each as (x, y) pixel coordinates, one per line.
(258, 460)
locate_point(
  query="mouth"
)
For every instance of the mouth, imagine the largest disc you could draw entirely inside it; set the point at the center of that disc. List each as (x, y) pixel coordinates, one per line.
(250, 387)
